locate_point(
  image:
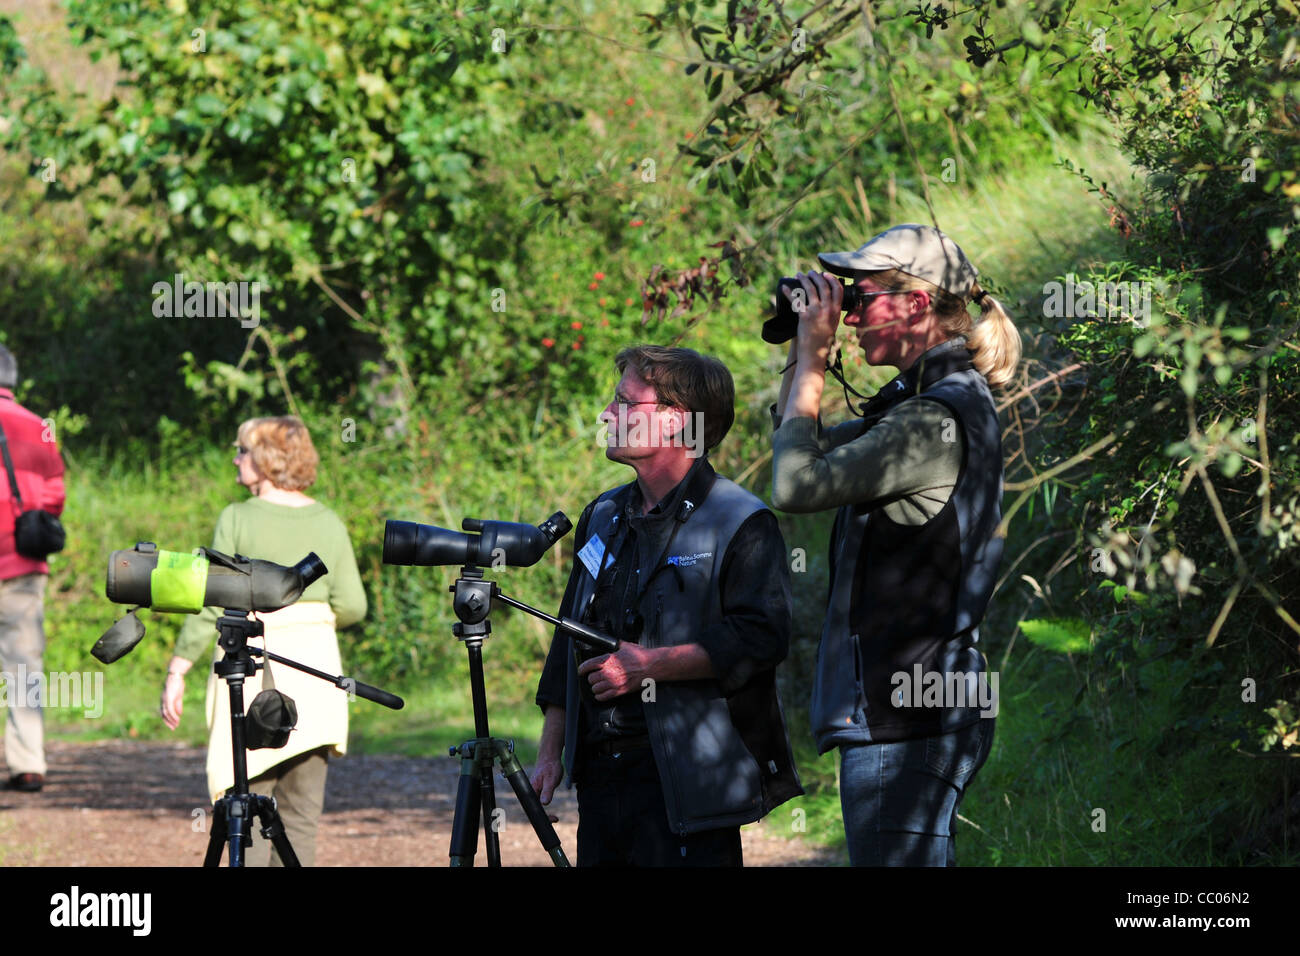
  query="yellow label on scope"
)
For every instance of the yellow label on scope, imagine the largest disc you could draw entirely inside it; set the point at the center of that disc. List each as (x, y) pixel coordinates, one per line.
(179, 582)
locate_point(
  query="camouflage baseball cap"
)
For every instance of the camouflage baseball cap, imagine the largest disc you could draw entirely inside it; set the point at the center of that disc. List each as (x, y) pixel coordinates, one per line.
(920, 251)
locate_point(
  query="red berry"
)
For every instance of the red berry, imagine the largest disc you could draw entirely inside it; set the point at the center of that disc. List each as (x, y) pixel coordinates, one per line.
(599, 276)
(547, 343)
(575, 325)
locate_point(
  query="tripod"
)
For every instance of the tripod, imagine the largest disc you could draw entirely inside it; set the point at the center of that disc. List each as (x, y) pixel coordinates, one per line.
(475, 797)
(232, 814)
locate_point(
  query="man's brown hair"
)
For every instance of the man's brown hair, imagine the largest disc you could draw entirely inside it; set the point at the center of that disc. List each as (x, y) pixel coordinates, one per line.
(684, 378)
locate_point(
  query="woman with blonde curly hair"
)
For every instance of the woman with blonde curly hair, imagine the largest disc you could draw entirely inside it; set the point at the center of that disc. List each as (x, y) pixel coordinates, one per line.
(901, 686)
(276, 462)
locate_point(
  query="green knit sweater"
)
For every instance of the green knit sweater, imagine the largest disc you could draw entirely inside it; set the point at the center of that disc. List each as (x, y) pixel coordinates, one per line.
(283, 534)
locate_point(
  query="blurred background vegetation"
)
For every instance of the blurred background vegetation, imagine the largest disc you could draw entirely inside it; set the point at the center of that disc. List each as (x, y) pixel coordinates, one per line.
(459, 213)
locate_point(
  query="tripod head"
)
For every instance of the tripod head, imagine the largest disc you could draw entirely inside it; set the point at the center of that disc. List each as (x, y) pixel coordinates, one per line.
(472, 605)
(234, 628)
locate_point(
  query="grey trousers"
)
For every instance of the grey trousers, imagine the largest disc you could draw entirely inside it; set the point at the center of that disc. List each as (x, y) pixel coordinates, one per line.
(298, 786)
(22, 650)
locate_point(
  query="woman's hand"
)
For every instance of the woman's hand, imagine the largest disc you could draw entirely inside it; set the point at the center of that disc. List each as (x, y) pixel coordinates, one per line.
(801, 388)
(820, 316)
(173, 693)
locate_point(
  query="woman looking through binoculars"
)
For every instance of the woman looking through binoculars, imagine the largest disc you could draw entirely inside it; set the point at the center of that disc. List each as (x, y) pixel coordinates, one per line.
(917, 482)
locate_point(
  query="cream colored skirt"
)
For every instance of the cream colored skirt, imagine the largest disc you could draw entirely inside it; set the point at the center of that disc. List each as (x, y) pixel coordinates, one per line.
(302, 632)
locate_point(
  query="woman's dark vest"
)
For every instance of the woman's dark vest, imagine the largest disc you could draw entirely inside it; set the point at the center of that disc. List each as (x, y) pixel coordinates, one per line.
(909, 599)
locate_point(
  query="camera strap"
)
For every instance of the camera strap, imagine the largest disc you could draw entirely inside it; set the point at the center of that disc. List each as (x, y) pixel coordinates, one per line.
(937, 363)
(836, 370)
(9, 467)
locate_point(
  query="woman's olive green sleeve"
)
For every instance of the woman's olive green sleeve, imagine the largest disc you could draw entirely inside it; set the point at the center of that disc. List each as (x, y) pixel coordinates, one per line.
(917, 447)
(347, 596)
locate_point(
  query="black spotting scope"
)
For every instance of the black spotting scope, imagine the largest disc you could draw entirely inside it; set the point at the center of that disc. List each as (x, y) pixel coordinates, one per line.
(493, 543)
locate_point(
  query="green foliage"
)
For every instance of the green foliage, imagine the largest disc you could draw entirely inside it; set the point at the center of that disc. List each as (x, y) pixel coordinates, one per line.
(1062, 635)
(1211, 352)
(1285, 728)
(838, 86)
(331, 152)
(1145, 751)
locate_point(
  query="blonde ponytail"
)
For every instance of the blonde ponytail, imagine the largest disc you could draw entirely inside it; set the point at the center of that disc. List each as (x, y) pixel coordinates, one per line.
(994, 341)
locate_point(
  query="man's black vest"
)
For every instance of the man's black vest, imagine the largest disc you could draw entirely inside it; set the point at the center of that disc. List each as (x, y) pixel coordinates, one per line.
(723, 754)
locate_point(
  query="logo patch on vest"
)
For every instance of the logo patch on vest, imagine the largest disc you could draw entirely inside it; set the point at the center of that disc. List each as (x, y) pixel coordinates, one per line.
(687, 560)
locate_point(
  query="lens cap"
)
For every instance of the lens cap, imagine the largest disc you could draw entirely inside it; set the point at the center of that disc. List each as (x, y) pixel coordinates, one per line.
(269, 721)
(118, 639)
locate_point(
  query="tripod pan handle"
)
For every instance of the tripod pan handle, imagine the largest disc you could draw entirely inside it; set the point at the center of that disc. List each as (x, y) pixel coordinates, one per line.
(353, 686)
(589, 635)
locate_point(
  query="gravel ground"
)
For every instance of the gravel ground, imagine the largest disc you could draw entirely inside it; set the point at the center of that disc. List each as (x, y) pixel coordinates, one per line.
(135, 803)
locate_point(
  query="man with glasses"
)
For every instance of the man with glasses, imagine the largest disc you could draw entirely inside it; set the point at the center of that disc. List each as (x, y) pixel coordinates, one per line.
(678, 738)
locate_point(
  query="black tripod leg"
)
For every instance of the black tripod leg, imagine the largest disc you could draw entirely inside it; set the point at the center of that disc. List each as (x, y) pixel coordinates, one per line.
(273, 829)
(464, 826)
(217, 838)
(238, 824)
(488, 797)
(532, 804)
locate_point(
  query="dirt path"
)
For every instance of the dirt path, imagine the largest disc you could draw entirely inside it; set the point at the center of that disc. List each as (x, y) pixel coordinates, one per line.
(131, 803)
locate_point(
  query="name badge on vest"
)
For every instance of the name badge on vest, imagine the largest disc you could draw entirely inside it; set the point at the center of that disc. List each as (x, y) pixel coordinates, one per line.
(593, 554)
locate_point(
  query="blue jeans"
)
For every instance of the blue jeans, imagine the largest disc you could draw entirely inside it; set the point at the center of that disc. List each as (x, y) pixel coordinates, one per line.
(900, 799)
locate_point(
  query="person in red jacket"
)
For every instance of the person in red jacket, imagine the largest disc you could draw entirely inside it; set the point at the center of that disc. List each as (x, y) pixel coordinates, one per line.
(38, 469)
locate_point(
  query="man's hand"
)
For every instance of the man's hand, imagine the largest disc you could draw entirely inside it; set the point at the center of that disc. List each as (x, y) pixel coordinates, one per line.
(622, 672)
(550, 771)
(546, 778)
